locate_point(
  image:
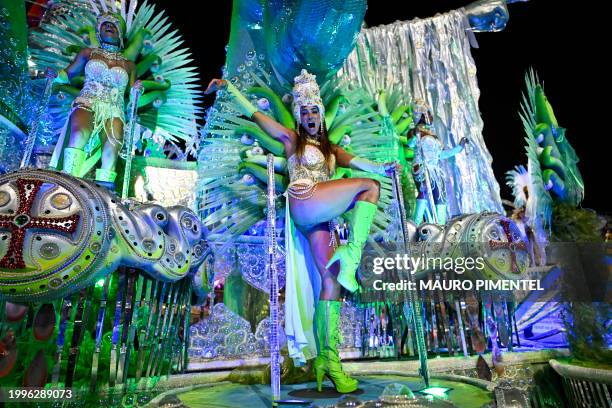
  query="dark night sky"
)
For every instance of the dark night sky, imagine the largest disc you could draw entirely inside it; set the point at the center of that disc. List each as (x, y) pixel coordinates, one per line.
(559, 39)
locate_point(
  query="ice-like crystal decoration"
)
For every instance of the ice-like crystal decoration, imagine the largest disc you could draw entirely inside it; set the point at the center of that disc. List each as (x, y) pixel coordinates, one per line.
(431, 59)
(224, 335)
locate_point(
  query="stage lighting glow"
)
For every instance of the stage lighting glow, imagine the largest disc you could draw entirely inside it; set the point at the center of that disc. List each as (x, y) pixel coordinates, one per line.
(439, 392)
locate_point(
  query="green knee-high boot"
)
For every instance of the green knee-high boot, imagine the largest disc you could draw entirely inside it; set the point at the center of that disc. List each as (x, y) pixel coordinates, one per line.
(349, 255)
(327, 363)
(73, 161)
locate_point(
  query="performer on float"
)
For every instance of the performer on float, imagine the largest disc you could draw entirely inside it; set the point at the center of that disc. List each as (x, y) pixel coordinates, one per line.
(98, 111)
(313, 202)
(428, 172)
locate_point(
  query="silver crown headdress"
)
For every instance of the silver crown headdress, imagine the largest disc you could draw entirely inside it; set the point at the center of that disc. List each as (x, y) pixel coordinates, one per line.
(306, 93)
(113, 19)
(420, 107)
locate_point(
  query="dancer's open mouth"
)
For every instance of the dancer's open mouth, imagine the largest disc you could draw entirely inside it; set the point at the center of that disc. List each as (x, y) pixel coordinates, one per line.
(311, 125)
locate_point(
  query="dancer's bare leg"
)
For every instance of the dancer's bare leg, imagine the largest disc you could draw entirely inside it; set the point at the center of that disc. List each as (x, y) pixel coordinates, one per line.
(318, 237)
(332, 199)
(112, 139)
(80, 128)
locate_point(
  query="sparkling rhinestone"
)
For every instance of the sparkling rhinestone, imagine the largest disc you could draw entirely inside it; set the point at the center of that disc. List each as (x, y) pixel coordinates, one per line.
(95, 247)
(148, 244)
(21, 220)
(179, 258)
(187, 222)
(55, 282)
(49, 250)
(4, 198)
(61, 201)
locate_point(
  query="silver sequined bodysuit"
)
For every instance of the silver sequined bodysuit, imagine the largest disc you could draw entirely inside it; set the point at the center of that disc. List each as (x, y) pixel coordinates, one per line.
(104, 89)
(428, 154)
(304, 174)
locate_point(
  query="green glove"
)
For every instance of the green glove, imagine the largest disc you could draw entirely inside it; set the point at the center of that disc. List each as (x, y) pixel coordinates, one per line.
(370, 166)
(61, 78)
(245, 107)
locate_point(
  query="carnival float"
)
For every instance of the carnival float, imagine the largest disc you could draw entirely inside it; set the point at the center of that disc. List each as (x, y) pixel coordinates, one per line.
(157, 252)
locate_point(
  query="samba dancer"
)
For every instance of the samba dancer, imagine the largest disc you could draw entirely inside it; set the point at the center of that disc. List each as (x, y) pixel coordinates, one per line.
(313, 201)
(98, 111)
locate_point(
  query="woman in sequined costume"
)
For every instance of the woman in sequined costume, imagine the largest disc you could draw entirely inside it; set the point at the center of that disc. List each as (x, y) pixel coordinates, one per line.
(98, 111)
(427, 169)
(313, 201)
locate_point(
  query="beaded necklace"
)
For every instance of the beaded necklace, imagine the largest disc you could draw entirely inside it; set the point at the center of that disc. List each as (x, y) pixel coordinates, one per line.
(111, 51)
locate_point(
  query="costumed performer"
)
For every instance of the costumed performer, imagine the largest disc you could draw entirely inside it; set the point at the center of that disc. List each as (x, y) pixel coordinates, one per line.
(97, 114)
(314, 200)
(428, 172)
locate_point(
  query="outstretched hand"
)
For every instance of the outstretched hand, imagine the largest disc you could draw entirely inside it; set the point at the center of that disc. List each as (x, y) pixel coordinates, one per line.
(215, 85)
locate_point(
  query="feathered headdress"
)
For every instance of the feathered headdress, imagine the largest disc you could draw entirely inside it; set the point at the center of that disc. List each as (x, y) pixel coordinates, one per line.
(114, 19)
(306, 92)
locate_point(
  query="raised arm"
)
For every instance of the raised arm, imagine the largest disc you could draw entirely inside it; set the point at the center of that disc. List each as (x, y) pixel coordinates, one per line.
(75, 68)
(448, 153)
(343, 158)
(274, 129)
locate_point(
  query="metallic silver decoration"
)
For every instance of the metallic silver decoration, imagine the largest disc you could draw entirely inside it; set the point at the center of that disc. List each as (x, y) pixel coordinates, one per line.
(413, 296)
(55, 283)
(148, 244)
(273, 280)
(187, 222)
(488, 15)
(49, 250)
(473, 235)
(57, 360)
(252, 261)
(131, 130)
(431, 59)
(61, 201)
(107, 234)
(99, 329)
(225, 335)
(151, 181)
(4, 198)
(351, 319)
(50, 75)
(50, 276)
